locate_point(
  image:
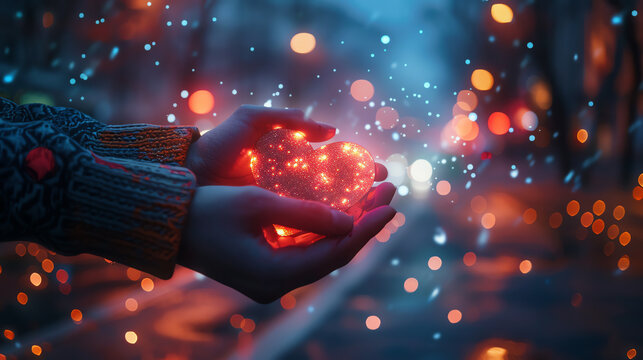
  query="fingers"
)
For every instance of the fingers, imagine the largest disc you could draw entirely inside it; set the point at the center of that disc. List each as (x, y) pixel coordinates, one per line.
(265, 119)
(305, 265)
(304, 215)
(380, 172)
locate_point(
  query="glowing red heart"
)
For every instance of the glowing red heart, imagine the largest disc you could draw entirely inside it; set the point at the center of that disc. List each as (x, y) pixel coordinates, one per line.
(338, 174)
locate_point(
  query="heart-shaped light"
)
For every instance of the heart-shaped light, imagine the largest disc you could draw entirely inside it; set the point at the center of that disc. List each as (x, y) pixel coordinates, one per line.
(337, 174)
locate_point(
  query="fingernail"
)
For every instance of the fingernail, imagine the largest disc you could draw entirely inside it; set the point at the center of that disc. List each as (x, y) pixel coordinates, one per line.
(329, 129)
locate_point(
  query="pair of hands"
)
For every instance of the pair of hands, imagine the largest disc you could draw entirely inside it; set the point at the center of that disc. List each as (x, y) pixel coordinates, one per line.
(224, 239)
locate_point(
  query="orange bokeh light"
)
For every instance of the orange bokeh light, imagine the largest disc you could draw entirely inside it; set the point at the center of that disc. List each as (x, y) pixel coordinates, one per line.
(411, 284)
(529, 216)
(131, 304)
(147, 284)
(387, 117)
(303, 43)
(555, 220)
(637, 193)
(498, 123)
(586, 219)
(625, 238)
(467, 100)
(47, 265)
(525, 266)
(469, 259)
(598, 226)
(454, 316)
(481, 79)
(612, 231)
(599, 207)
(434, 263)
(582, 136)
(35, 279)
(443, 187)
(488, 220)
(288, 302)
(47, 19)
(373, 322)
(362, 90)
(9, 334)
(36, 350)
(631, 353)
(624, 263)
(76, 315)
(131, 337)
(573, 207)
(619, 212)
(502, 13)
(201, 102)
(62, 276)
(22, 298)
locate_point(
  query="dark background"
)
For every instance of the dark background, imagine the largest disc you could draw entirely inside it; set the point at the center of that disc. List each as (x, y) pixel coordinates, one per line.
(574, 64)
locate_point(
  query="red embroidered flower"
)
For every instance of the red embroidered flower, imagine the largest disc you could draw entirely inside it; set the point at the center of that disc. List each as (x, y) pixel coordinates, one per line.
(40, 163)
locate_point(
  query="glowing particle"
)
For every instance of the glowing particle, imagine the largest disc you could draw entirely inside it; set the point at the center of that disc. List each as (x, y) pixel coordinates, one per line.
(623, 263)
(599, 207)
(171, 118)
(373, 322)
(555, 220)
(133, 274)
(303, 43)
(421, 170)
(598, 226)
(35, 279)
(247, 325)
(637, 193)
(440, 237)
(9, 334)
(184, 94)
(434, 263)
(36, 350)
(467, 100)
(76, 315)
(288, 302)
(488, 220)
(131, 337)
(47, 19)
(131, 304)
(529, 216)
(201, 102)
(631, 353)
(469, 259)
(582, 136)
(443, 187)
(411, 285)
(573, 207)
(619, 212)
(625, 238)
(362, 90)
(385, 39)
(498, 123)
(586, 219)
(386, 116)
(525, 266)
(22, 298)
(502, 13)
(481, 79)
(62, 276)
(454, 316)
(147, 284)
(235, 321)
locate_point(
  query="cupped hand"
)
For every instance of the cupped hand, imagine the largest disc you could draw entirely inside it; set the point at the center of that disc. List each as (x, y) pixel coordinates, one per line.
(222, 155)
(224, 239)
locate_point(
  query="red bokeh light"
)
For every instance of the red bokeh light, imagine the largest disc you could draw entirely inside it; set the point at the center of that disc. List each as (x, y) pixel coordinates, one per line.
(201, 102)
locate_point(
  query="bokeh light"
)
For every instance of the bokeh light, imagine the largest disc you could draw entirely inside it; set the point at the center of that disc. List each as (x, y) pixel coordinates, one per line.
(362, 90)
(35, 279)
(36, 350)
(469, 259)
(147, 284)
(555, 220)
(481, 79)
(525, 266)
(619, 212)
(502, 13)
(625, 238)
(421, 170)
(443, 187)
(467, 100)
(488, 220)
(434, 263)
(76, 315)
(373, 322)
(131, 304)
(582, 135)
(529, 216)
(131, 337)
(411, 285)
(498, 123)
(303, 43)
(529, 120)
(288, 302)
(454, 316)
(386, 116)
(201, 102)
(573, 207)
(598, 207)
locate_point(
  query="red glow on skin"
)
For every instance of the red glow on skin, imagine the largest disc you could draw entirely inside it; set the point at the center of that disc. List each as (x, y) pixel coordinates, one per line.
(337, 174)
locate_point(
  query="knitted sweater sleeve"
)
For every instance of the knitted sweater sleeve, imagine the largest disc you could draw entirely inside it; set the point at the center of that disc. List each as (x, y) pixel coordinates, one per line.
(144, 142)
(77, 199)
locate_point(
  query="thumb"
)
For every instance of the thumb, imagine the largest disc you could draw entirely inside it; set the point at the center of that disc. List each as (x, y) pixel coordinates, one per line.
(305, 215)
